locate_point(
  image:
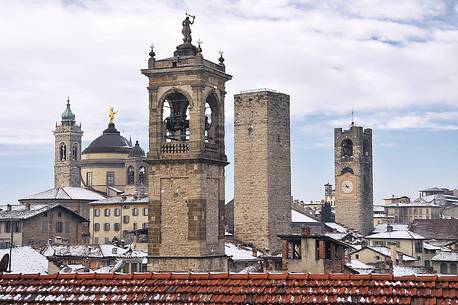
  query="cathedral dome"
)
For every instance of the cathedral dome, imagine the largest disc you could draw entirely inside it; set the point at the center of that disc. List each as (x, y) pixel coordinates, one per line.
(136, 151)
(110, 142)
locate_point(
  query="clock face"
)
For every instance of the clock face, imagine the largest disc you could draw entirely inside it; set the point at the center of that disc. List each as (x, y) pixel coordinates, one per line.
(347, 186)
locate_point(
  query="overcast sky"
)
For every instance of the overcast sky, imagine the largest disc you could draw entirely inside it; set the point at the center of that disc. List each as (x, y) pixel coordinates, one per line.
(395, 62)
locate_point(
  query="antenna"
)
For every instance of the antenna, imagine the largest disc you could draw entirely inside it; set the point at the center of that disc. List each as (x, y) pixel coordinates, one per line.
(352, 117)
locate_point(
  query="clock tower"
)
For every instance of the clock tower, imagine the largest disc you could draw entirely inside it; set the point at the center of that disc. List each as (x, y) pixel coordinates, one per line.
(353, 174)
(186, 160)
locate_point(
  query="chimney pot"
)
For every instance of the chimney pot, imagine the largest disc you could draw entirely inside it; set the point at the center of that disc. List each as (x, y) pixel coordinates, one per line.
(8, 207)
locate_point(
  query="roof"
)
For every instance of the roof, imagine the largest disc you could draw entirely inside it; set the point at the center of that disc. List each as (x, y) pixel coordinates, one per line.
(413, 204)
(360, 267)
(110, 141)
(238, 253)
(121, 200)
(395, 235)
(66, 192)
(336, 227)
(386, 252)
(396, 227)
(223, 288)
(300, 217)
(136, 151)
(21, 212)
(26, 260)
(92, 251)
(446, 229)
(445, 257)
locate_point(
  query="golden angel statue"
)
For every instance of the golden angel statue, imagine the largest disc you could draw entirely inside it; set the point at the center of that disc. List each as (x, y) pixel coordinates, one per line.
(111, 114)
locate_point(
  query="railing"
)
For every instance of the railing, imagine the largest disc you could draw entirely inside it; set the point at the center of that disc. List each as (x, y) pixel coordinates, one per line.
(174, 148)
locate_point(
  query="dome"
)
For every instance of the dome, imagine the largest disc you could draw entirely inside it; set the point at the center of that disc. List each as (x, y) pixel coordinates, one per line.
(68, 115)
(110, 142)
(136, 151)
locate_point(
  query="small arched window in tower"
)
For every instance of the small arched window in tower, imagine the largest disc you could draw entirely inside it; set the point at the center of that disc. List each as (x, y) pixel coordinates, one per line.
(208, 122)
(142, 175)
(211, 118)
(347, 148)
(63, 152)
(366, 148)
(75, 152)
(130, 175)
(175, 118)
(347, 170)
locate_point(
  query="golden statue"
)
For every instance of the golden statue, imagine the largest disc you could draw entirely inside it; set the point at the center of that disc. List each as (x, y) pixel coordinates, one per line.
(111, 114)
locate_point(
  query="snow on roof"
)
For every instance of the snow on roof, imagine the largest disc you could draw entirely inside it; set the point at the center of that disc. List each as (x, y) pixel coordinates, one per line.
(337, 236)
(66, 192)
(387, 252)
(336, 227)
(121, 200)
(379, 208)
(395, 235)
(444, 256)
(238, 253)
(300, 217)
(22, 212)
(428, 246)
(359, 266)
(403, 270)
(26, 260)
(92, 251)
(380, 228)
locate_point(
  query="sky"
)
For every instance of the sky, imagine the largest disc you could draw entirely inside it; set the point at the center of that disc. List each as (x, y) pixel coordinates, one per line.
(394, 62)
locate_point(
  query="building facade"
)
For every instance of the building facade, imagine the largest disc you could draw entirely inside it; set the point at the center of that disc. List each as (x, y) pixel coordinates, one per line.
(353, 175)
(262, 168)
(186, 159)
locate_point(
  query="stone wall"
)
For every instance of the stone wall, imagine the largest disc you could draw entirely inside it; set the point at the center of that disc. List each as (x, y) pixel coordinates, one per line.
(262, 168)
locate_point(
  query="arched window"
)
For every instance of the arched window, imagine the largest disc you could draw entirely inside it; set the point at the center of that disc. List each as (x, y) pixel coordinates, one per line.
(347, 170)
(453, 268)
(444, 268)
(130, 175)
(366, 148)
(63, 152)
(75, 152)
(142, 175)
(175, 118)
(347, 148)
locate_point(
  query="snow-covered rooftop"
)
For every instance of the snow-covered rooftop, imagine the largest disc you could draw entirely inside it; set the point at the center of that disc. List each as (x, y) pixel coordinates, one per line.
(361, 267)
(66, 192)
(336, 227)
(26, 260)
(299, 217)
(238, 253)
(380, 228)
(395, 235)
(337, 236)
(404, 270)
(20, 212)
(121, 200)
(94, 251)
(445, 257)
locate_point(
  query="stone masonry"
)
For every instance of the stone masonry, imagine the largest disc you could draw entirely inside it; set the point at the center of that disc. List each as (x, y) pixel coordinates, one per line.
(354, 205)
(262, 202)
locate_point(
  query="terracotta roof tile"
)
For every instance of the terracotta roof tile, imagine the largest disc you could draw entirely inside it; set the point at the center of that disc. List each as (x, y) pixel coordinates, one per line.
(210, 288)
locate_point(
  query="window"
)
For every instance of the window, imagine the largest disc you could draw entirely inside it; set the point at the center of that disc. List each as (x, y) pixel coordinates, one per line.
(96, 240)
(117, 212)
(89, 178)
(106, 212)
(116, 227)
(453, 268)
(377, 257)
(141, 175)
(145, 211)
(357, 256)
(96, 227)
(418, 246)
(12, 226)
(63, 152)
(427, 264)
(59, 214)
(317, 249)
(347, 148)
(125, 219)
(135, 226)
(106, 227)
(59, 227)
(75, 152)
(44, 226)
(45, 214)
(145, 225)
(328, 251)
(130, 175)
(107, 240)
(135, 212)
(443, 268)
(96, 212)
(110, 178)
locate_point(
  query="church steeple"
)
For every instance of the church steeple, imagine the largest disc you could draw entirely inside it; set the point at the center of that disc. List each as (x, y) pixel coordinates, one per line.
(68, 117)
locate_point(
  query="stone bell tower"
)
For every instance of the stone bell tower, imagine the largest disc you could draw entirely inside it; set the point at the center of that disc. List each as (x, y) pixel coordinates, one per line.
(186, 160)
(67, 147)
(353, 173)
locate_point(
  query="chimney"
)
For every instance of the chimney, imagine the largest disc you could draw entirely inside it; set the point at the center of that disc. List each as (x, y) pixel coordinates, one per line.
(255, 252)
(27, 206)
(8, 207)
(389, 228)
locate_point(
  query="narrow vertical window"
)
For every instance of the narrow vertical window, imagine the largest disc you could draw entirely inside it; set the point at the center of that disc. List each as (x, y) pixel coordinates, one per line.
(75, 152)
(130, 175)
(141, 175)
(110, 178)
(63, 152)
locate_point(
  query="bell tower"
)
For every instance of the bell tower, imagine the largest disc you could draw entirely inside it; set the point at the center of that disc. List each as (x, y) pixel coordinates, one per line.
(186, 160)
(353, 173)
(67, 146)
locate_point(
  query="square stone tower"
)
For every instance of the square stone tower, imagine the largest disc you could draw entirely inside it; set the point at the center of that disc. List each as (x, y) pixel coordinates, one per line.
(67, 150)
(353, 174)
(262, 202)
(186, 160)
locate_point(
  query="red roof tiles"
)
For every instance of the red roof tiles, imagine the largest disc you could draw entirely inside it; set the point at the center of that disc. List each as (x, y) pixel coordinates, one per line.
(223, 288)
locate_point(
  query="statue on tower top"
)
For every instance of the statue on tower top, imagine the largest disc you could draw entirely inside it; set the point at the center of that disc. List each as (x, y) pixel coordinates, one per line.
(186, 48)
(111, 114)
(187, 28)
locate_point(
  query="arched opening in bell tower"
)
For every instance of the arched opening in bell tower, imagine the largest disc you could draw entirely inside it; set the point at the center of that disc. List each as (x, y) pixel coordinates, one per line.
(175, 118)
(347, 148)
(210, 118)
